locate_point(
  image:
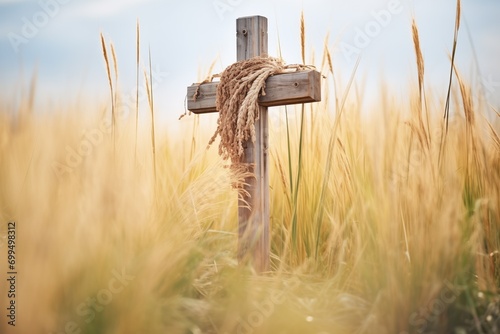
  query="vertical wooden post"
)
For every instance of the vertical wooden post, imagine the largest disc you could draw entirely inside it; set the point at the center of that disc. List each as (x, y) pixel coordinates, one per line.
(302, 86)
(253, 230)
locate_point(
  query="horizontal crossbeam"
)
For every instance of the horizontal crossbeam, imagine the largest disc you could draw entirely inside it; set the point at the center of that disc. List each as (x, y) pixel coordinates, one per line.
(281, 89)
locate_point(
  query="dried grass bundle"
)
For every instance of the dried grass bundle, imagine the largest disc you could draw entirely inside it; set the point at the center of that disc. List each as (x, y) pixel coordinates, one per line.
(237, 102)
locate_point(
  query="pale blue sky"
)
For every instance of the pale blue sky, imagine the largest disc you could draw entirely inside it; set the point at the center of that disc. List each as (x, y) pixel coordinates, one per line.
(186, 36)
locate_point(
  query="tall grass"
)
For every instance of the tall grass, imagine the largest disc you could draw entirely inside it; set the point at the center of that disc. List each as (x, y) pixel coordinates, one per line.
(112, 88)
(389, 235)
(295, 190)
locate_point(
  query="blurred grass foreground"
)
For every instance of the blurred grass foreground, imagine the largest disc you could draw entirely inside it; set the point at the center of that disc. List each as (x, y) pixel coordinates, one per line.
(397, 220)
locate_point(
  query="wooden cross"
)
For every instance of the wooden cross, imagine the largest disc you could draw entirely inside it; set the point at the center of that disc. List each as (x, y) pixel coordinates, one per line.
(281, 89)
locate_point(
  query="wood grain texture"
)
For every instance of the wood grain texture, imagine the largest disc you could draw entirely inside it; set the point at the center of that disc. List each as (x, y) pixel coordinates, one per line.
(253, 229)
(281, 89)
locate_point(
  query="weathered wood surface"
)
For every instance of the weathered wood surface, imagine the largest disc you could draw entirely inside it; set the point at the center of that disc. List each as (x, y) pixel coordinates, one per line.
(281, 89)
(253, 231)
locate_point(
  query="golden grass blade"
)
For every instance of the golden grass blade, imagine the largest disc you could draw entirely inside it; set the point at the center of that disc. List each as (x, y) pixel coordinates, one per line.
(148, 91)
(329, 59)
(115, 97)
(448, 95)
(303, 37)
(323, 58)
(105, 53)
(151, 103)
(115, 64)
(108, 69)
(455, 39)
(279, 166)
(467, 101)
(420, 58)
(494, 136)
(331, 146)
(420, 69)
(209, 75)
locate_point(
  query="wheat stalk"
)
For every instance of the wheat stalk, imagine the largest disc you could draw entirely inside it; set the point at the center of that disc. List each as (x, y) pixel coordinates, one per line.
(108, 69)
(303, 37)
(329, 59)
(115, 97)
(151, 105)
(447, 106)
(420, 58)
(420, 71)
(115, 65)
(455, 39)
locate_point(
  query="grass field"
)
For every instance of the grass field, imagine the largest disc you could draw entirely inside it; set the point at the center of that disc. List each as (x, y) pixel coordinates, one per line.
(397, 220)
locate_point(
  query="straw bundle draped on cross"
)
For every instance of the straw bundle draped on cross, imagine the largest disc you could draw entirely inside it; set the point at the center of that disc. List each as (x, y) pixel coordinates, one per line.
(238, 92)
